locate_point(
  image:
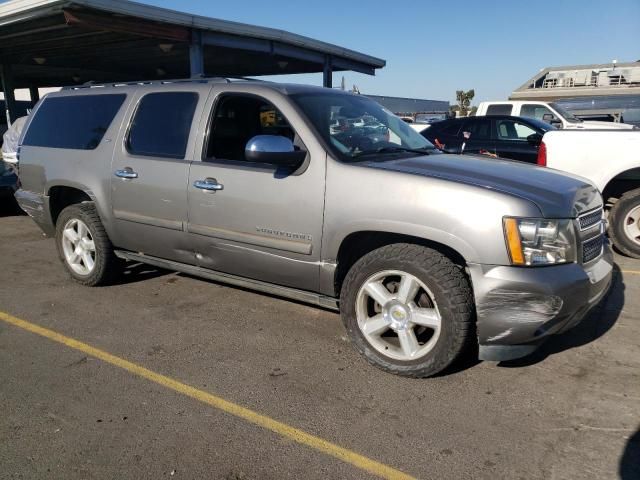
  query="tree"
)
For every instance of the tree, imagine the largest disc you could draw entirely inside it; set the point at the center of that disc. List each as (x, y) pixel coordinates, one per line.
(464, 101)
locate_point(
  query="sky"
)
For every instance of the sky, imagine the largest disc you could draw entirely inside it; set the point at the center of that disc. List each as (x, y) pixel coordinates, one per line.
(435, 47)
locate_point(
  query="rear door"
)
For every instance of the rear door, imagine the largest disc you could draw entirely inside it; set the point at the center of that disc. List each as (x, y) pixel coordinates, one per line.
(150, 171)
(512, 140)
(262, 222)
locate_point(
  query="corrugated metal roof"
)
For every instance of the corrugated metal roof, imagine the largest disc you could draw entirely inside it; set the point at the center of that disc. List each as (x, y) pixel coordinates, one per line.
(21, 10)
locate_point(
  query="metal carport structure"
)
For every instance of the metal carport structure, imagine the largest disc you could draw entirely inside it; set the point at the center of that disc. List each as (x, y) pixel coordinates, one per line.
(67, 42)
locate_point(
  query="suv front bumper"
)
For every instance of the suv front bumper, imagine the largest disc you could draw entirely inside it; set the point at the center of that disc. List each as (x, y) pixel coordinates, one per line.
(519, 307)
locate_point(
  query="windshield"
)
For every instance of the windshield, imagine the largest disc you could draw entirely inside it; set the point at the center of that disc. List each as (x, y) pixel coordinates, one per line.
(568, 116)
(354, 126)
(544, 126)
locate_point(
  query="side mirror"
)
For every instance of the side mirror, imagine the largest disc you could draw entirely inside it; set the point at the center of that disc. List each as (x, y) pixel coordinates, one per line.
(274, 150)
(534, 139)
(547, 117)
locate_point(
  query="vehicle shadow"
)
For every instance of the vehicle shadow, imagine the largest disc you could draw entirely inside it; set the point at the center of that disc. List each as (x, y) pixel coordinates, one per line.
(630, 459)
(135, 272)
(599, 321)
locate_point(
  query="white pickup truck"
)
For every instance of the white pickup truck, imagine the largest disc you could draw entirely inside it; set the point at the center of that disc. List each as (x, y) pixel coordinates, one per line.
(611, 161)
(549, 112)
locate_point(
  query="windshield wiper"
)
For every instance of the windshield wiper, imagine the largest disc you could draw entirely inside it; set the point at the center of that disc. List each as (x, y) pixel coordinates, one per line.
(421, 151)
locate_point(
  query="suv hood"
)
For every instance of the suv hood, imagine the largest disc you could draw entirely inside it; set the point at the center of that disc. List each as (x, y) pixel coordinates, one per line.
(556, 194)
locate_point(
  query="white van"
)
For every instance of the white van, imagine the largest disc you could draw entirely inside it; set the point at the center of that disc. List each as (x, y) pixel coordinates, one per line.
(549, 112)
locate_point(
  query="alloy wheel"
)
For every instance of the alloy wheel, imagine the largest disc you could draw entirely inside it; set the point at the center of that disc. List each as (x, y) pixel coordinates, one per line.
(632, 225)
(78, 247)
(398, 315)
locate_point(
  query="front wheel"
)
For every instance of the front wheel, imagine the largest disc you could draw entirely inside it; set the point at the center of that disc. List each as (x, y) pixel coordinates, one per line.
(624, 220)
(84, 247)
(408, 309)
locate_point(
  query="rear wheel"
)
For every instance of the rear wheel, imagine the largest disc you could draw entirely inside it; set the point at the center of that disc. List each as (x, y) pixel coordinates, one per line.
(407, 309)
(84, 247)
(624, 221)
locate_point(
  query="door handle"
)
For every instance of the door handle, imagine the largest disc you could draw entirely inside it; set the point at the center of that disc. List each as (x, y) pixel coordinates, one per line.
(126, 173)
(208, 184)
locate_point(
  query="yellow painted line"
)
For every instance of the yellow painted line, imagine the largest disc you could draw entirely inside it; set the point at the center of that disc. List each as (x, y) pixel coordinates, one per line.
(633, 272)
(287, 431)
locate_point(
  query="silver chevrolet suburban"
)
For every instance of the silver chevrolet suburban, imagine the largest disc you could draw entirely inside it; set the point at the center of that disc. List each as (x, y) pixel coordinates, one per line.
(320, 196)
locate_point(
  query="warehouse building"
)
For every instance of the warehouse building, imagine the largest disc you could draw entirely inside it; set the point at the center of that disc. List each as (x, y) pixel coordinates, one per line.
(600, 91)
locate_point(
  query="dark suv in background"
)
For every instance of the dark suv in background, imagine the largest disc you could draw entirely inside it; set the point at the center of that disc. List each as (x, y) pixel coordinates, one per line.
(516, 138)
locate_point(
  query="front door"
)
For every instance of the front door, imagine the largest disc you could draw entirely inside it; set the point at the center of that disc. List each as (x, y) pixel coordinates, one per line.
(149, 175)
(257, 220)
(512, 141)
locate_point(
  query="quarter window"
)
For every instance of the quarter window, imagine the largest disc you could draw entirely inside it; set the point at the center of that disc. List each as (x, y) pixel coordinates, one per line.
(161, 124)
(73, 122)
(479, 129)
(499, 109)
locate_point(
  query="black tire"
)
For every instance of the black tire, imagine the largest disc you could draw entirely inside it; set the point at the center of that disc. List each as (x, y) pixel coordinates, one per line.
(452, 294)
(107, 265)
(618, 218)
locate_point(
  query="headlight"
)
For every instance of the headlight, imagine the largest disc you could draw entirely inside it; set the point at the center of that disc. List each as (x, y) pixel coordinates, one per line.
(538, 241)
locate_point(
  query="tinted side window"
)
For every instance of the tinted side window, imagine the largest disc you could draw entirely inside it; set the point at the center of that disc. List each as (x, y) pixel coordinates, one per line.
(161, 124)
(479, 128)
(512, 130)
(499, 109)
(451, 129)
(74, 122)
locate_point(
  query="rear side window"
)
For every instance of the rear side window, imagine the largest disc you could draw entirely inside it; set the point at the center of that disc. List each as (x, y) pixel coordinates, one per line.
(161, 124)
(452, 129)
(479, 128)
(74, 122)
(499, 109)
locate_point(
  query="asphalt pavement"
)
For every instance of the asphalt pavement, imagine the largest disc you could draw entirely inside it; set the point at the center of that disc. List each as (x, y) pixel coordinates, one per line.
(571, 411)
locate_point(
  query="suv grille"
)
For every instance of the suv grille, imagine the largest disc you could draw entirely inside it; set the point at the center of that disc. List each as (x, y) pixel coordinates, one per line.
(591, 249)
(590, 219)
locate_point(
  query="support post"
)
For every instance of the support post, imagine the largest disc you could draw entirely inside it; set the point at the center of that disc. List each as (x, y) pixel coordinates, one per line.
(9, 94)
(34, 94)
(196, 54)
(327, 73)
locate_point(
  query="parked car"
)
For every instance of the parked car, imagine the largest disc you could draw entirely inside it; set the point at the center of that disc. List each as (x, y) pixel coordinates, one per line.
(498, 135)
(422, 253)
(548, 112)
(425, 120)
(429, 118)
(611, 161)
(8, 159)
(8, 181)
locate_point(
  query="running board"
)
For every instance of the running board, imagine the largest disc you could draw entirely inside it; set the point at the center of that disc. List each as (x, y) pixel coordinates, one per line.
(264, 287)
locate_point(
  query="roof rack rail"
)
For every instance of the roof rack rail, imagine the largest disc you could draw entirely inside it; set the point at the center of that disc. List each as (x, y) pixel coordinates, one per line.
(92, 84)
